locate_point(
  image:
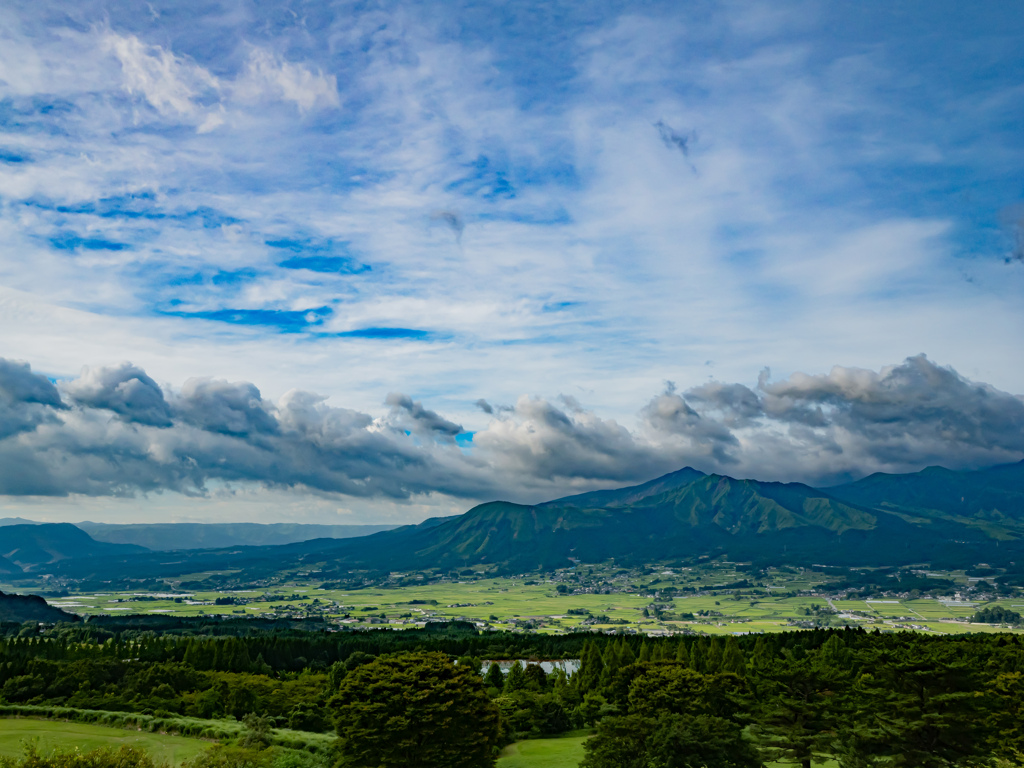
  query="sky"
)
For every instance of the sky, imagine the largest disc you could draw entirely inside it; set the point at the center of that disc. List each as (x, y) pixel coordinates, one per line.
(375, 262)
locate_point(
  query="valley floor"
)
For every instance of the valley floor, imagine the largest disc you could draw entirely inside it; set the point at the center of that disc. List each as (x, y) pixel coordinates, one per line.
(717, 598)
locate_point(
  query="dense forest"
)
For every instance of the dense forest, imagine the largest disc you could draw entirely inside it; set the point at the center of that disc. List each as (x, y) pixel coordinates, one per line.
(864, 698)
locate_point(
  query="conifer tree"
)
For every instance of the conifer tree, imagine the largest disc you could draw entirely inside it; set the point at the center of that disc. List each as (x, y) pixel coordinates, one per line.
(588, 676)
(714, 661)
(732, 658)
(515, 680)
(626, 655)
(683, 655)
(645, 652)
(494, 677)
(698, 657)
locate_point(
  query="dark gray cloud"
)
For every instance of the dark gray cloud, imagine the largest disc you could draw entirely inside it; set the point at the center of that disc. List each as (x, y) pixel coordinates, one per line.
(27, 399)
(230, 408)
(908, 414)
(484, 406)
(125, 390)
(538, 441)
(119, 434)
(418, 418)
(226, 432)
(849, 422)
(669, 414)
(19, 385)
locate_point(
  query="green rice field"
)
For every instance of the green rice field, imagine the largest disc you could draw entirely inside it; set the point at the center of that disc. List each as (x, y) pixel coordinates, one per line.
(533, 602)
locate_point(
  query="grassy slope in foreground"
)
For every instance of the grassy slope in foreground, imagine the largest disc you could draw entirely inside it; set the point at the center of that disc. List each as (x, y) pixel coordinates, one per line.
(50, 735)
(563, 752)
(567, 752)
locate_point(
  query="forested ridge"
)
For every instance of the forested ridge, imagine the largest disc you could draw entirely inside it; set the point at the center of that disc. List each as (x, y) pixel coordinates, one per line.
(865, 698)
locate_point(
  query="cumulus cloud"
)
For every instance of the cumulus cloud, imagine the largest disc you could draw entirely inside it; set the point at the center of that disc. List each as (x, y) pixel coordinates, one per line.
(537, 440)
(669, 415)
(115, 432)
(849, 422)
(26, 399)
(223, 407)
(18, 384)
(109, 440)
(123, 389)
(420, 419)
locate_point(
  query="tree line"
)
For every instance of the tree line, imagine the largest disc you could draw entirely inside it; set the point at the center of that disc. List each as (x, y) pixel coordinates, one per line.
(862, 698)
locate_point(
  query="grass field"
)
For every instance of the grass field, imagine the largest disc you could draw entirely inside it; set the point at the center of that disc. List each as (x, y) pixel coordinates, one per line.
(49, 735)
(563, 752)
(567, 752)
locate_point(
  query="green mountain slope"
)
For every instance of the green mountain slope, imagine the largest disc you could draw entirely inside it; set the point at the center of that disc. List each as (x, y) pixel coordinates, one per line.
(882, 520)
(990, 499)
(682, 514)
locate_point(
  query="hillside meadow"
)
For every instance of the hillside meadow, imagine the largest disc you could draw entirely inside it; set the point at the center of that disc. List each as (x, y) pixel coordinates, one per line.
(51, 735)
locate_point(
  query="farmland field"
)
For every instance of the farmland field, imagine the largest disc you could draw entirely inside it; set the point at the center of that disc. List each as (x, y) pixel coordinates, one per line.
(654, 598)
(49, 735)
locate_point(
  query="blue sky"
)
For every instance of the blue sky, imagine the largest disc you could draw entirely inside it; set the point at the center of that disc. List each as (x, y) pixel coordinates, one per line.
(571, 230)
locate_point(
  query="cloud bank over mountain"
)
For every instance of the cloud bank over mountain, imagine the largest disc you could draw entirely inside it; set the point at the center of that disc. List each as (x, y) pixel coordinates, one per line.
(115, 432)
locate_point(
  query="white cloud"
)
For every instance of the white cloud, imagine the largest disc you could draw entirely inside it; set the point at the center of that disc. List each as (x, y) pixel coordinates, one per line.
(267, 75)
(172, 85)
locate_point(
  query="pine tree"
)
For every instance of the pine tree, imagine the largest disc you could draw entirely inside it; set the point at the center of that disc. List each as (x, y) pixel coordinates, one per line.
(698, 657)
(645, 652)
(515, 680)
(714, 662)
(682, 655)
(626, 655)
(610, 665)
(494, 677)
(588, 676)
(732, 658)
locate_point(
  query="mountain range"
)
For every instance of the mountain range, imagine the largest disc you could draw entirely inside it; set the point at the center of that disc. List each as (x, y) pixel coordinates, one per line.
(937, 516)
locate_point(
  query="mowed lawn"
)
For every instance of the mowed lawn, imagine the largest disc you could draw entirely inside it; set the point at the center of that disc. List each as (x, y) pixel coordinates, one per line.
(564, 752)
(49, 735)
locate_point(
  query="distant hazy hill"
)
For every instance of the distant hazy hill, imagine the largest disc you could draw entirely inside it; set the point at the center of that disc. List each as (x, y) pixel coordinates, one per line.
(20, 608)
(936, 516)
(174, 536)
(30, 546)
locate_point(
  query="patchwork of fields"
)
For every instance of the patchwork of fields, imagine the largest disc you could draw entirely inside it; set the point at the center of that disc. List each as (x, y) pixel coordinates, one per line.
(654, 600)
